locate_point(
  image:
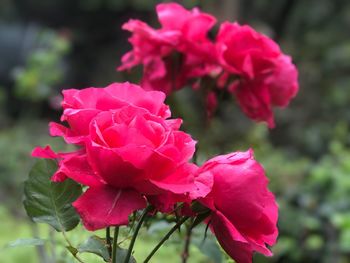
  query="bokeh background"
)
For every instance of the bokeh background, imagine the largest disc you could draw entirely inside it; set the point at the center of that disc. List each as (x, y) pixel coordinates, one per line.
(46, 46)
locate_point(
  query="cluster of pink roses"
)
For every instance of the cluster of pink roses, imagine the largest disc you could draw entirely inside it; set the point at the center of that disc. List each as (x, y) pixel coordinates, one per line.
(248, 64)
(131, 153)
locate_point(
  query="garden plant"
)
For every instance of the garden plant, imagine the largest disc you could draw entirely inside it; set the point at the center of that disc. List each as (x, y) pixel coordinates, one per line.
(129, 164)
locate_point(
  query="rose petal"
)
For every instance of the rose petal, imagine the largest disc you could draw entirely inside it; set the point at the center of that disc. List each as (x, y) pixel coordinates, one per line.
(78, 169)
(104, 206)
(46, 152)
(230, 239)
(110, 166)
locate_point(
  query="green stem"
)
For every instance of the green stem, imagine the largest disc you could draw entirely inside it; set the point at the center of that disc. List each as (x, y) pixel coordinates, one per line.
(133, 239)
(186, 251)
(115, 244)
(70, 245)
(108, 240)
(165, 238)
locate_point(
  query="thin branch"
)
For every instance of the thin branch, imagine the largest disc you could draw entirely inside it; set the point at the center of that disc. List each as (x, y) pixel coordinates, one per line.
(70, 245)
(138, 226)
(186, 252)
(166, 237)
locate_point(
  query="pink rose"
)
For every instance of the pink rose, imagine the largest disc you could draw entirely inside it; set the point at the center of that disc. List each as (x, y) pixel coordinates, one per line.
(245, 52)
(192, 27)
(265, 77)
(177, 52)
(129, 151)
(81, 106)
(244, 212)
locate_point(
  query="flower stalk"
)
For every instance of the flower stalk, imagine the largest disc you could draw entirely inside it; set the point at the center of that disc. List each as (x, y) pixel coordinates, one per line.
(186, 251)
(166, 237)
(108, 241)
(137, 229)
(115, 244)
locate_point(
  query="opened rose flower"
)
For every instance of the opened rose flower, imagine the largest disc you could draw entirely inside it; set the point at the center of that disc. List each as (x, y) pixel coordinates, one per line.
(177, 52)
(263, 76)
(243, 211)
(129, 150)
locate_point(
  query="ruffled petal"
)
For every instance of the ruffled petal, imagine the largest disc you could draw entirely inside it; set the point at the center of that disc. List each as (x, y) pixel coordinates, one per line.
(78, 169)
(111, 167)
(68, 135)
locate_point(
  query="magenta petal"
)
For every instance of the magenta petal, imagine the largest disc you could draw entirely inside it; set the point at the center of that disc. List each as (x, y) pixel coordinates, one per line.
(283, 83)
(172, 15)
(79, 119)
(139, 160)
(204, 184)
(69, 136)
(134, 95)
(111, 167)
(58, 177)
(162, 84)
(81, 99)
(78, 169)
(255, 101)
(104, 206)
(46, 152)
(57, 129)
(197, 27)
(181, 181)
(244, 210)
(230, 239)
(175, 188)
(175, 124)
(166, 202)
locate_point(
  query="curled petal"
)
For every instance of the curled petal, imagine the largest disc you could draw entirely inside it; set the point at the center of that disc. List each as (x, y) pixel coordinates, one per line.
(46, 152)
(78, 169)
(104, 206)
(204, 184)
(68, 135)
(79, 120)
(153, 101)
(244, 211)
(230, 239)
(181, 181)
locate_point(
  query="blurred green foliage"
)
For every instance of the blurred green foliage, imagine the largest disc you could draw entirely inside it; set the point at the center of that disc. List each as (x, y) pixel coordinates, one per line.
(43, 69)
(49, 45)
(314, 208)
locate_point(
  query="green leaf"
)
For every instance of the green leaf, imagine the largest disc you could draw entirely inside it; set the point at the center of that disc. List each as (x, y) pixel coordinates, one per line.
(49, 202)
(121, 254)
(159, 226)
(95, 245)
(25, 242)
(208, 246)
